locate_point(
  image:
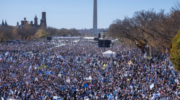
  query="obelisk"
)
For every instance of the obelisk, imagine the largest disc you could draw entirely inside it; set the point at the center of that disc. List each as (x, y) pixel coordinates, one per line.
(95, 18)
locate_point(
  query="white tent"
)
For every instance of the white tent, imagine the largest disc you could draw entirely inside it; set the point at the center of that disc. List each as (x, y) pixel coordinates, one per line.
(109, 53)
(89, 38)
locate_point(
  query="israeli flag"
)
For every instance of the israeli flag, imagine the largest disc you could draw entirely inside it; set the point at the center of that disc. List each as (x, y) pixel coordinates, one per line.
(7, 53)
(30, 68)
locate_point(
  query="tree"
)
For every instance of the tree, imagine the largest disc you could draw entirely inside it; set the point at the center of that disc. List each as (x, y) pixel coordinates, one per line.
(148, 28)
(175, 51)
(27, 31)
(15, 33)
(41, 34)
(74, 32)
(51, 31)
(64, 32)
(3, 36)
(128, 29)
(6, 33)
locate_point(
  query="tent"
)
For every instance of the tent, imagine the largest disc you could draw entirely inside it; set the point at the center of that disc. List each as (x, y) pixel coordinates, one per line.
(88, 38)
(109, 53)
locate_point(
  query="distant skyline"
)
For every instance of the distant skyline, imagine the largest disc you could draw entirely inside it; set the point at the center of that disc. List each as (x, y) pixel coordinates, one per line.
(77, 13)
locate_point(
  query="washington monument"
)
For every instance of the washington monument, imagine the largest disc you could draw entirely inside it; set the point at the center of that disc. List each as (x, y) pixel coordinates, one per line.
(95, 18)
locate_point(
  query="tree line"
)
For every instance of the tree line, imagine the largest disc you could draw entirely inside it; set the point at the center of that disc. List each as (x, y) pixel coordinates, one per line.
(150, 31)
(30, 33)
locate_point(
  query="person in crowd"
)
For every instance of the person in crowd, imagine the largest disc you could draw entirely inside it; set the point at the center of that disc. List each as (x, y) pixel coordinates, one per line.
(42, 71)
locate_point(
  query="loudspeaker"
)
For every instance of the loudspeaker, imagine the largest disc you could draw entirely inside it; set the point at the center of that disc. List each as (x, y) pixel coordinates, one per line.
(99, 35)
(49, 38)
(107, 43)
(101, 43)
(96, 39)
(104, 43)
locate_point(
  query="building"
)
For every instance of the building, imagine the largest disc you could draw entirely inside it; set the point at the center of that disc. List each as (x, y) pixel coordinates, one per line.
(35, 24)
(4, 23)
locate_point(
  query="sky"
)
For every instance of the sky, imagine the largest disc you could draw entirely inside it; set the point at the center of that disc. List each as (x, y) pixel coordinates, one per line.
(77, 13)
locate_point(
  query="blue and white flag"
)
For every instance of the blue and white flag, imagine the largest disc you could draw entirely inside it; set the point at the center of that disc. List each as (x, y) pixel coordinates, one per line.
(6, 53)
(48, 72)
(30, 68)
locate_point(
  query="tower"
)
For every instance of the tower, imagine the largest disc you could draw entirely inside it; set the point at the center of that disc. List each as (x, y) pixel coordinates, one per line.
(5, 24)
(17, 23)
(95, 18)
(25, 21)
(43, 20)
(35, 21)
(31, 23)
(44, 15)
(2, 23)
(22, 23)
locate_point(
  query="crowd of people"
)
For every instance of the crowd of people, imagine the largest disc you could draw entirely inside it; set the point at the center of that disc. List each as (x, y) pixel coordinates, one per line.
(24, 46)
(81, 72)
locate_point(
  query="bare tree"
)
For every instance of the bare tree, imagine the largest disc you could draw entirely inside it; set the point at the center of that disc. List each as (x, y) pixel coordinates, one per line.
(148, 27)
(6, 33)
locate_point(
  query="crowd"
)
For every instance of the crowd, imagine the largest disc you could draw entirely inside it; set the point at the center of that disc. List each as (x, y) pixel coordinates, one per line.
(80, 72)
(24, 46)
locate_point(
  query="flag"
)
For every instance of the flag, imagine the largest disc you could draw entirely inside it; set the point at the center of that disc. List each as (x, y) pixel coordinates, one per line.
(103, 68)
(151, 86)
(59, 75)
(51, 73)
(20, 66)
(155, 95)
(68, 80)
(24, 61)
(6, 53)
(13, 75)
(56, 98)
(154, 66)
(145, 55)
(27, 83)
(45, 66)
(30, 68)
(48, 72)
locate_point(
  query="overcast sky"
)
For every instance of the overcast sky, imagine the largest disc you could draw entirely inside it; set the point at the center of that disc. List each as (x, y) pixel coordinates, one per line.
(76, 13)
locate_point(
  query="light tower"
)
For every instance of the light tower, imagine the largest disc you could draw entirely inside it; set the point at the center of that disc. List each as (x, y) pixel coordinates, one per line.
(95, 18)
